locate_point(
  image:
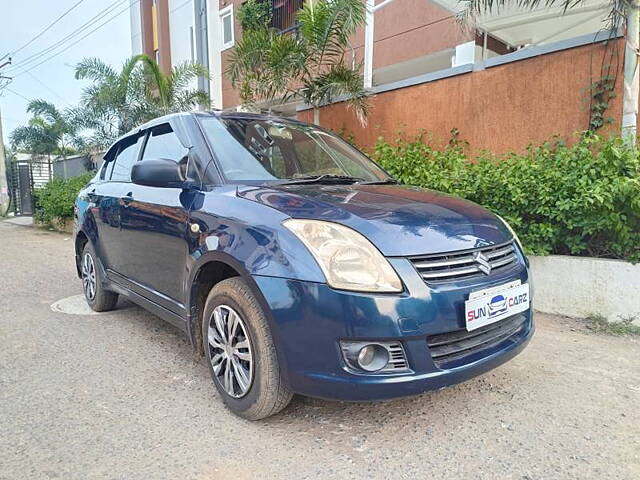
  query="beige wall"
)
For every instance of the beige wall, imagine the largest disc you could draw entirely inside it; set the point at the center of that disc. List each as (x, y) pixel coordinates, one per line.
(501, 109)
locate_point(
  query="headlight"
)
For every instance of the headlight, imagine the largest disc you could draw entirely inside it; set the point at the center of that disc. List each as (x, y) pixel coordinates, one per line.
(348, 260)
(515, 235)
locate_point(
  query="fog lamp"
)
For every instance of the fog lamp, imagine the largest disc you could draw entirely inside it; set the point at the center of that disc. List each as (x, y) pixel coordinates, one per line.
(372, 357)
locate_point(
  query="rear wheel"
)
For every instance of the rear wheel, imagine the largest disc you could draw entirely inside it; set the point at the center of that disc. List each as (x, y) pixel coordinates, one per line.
(240, 352)
(97, 297)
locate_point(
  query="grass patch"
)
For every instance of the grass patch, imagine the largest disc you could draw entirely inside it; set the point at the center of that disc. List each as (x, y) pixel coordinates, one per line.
(625, 327)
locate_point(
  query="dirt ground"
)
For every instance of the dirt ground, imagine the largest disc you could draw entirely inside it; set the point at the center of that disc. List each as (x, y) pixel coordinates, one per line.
(121, 396)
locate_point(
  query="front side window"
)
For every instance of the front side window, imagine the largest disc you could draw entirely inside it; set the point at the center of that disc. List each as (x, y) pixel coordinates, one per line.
(164, 143)
(120, 168)
(226, 22)
(262, 150)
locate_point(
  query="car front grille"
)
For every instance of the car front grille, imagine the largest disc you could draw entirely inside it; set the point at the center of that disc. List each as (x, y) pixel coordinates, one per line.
(446, 348)
(465, 264)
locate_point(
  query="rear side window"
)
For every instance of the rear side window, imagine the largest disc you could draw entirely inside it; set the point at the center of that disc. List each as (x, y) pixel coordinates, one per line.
(126, 157)
(164, 143)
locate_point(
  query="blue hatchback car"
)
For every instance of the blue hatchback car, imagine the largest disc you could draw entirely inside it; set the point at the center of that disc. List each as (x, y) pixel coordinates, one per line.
(295, 264)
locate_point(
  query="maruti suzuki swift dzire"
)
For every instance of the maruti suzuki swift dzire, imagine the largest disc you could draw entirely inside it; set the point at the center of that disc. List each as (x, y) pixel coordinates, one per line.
(295, 264)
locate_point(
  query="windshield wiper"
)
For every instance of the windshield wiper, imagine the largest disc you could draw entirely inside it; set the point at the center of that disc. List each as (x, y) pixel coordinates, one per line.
(326, 178)
(388, 181)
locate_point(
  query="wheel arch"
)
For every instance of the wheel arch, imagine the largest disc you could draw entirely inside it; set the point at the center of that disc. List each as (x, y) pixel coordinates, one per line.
(212, 268)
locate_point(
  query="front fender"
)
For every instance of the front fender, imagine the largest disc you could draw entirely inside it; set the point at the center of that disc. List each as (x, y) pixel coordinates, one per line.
(253, 235)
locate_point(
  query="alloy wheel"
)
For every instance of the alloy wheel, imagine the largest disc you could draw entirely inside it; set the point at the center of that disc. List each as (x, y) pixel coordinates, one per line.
(88, 277)
(230, 351)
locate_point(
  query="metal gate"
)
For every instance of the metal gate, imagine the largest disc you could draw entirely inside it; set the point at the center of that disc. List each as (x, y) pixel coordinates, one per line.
(25, 176)
(25, 192)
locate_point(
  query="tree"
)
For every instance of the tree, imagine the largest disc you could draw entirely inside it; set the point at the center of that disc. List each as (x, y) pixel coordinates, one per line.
(273, 67)
(49, 131)
(119, 101)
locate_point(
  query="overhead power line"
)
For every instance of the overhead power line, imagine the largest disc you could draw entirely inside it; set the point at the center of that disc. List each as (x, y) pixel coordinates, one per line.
(45, 86)
(16, 93)
(79, 40)
(43, 31)
(93, 20)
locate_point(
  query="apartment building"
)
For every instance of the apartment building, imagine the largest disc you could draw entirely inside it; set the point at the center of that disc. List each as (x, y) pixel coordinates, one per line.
(171, 31)
(521, 72)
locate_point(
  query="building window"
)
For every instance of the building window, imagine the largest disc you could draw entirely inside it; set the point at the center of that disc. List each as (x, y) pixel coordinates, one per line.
(226, 21)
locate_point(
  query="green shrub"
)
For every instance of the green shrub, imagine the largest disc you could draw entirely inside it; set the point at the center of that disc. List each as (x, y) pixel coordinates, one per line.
(55, 200)
(570, 200)
(255, 14)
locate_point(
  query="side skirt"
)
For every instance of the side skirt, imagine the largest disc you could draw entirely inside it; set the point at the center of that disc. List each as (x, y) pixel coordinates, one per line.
(158, 310)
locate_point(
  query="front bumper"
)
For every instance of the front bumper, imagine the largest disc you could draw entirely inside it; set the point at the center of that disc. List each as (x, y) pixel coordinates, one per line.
(310, 319)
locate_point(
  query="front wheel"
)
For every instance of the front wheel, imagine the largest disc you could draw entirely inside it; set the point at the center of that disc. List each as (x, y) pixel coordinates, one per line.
(240, 352)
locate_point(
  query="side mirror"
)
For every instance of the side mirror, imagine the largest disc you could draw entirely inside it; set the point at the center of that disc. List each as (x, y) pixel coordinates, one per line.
(158, 173)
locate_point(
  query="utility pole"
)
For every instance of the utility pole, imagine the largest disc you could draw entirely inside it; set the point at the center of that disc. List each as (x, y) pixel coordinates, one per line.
(4, 187)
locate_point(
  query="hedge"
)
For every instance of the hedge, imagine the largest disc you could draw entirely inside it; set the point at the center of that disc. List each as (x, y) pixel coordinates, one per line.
(56, 199)
(582, 199)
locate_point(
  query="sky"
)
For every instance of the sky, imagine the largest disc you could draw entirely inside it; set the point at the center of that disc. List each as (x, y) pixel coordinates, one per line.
(54, 80)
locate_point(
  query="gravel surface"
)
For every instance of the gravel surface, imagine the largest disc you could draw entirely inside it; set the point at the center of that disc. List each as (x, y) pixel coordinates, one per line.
(121, 396)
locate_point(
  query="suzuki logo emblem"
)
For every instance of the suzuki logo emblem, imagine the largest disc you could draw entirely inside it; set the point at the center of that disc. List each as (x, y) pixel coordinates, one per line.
(483, 263)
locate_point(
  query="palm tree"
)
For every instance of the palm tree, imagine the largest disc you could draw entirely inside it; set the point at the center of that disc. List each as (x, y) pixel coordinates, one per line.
(49, 131)
(311, 66)
(168, 93)
(118, 101)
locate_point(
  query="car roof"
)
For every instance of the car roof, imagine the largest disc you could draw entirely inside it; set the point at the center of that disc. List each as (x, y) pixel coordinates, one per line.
(246, 115)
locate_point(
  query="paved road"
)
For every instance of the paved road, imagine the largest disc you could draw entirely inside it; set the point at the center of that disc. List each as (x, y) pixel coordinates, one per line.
(121, 396)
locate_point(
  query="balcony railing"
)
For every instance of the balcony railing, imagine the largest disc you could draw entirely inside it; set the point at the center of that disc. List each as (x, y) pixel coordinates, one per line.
(283, 14)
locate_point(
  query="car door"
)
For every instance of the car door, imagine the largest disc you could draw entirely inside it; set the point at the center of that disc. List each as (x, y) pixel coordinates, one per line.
(105, 197)
(155, 228)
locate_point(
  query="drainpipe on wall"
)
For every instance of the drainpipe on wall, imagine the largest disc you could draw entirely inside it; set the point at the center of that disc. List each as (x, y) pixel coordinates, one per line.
(631, 77)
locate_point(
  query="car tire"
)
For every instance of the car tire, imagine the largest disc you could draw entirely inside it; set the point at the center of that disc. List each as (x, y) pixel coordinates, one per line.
(256, 389)
(97, 297)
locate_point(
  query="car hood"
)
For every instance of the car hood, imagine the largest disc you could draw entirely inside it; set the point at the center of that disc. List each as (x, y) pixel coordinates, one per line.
(399, 220)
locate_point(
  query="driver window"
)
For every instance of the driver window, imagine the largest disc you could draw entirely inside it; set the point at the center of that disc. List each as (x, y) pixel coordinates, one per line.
(164, 143)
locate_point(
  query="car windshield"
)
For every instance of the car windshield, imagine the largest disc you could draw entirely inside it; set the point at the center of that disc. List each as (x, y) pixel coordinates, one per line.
(265, 150)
